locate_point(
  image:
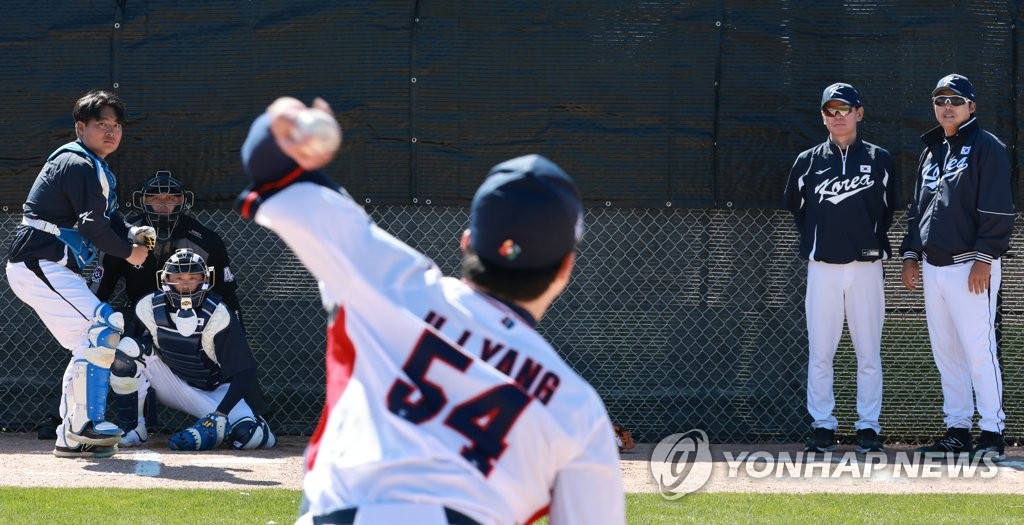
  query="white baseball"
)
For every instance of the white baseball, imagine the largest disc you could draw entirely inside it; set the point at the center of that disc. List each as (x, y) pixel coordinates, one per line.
(317, 132)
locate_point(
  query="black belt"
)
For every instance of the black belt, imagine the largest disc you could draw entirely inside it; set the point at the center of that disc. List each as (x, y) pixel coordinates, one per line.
(348, 517)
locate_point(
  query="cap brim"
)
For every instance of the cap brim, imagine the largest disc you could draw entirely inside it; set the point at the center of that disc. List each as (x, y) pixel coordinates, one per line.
(843, 100)
(947, 88)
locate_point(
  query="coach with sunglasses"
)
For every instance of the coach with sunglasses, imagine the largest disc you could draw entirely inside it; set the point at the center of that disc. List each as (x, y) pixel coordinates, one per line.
(960, 224)
(842, 193)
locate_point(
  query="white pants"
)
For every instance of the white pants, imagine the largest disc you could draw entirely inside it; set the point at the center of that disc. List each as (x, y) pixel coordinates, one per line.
(175, 393)
(66, 310)
(854, 291)
(961, 326)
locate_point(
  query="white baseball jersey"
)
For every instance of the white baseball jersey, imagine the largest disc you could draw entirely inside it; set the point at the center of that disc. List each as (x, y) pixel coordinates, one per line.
(436, 392)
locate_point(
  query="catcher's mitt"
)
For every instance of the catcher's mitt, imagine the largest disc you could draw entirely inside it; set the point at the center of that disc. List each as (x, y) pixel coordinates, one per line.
(206, 434)
(624, 439)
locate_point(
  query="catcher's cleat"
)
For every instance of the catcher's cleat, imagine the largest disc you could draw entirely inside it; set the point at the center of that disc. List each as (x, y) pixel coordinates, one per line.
(135, 437)
(85, 451)
(102, 434)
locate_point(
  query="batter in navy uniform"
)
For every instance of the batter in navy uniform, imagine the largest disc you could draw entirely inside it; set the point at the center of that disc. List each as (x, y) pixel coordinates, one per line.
(842, 193)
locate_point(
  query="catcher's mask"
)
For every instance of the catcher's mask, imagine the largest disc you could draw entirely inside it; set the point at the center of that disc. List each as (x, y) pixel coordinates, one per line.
(161, 217)
(185, 269)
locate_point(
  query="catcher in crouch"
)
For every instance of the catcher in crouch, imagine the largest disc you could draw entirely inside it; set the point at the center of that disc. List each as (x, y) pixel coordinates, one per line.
(194, 354)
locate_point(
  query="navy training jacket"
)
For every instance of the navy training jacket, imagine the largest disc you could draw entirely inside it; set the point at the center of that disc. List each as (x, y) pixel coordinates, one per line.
(843, 204)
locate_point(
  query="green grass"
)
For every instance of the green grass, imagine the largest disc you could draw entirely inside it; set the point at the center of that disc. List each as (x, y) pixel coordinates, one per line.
(273, 506)
(903, 509)
(148, 506)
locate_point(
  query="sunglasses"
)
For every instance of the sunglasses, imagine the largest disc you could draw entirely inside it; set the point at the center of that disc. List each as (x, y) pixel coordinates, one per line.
(837, 111)
(955, 100)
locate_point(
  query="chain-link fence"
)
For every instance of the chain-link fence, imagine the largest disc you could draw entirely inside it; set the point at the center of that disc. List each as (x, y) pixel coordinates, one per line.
(680, 319)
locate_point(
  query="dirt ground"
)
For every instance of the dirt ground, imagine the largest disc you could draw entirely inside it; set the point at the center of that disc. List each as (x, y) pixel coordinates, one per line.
(26, 461)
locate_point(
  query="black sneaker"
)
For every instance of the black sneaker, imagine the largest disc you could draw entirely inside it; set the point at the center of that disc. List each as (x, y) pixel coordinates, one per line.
(990, 445)
(822, 440)
(84, 451)
(956, 441)
(867, 441)
(103, 434)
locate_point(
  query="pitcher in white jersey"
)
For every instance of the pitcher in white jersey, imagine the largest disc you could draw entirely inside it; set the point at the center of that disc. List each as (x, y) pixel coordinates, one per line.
(444, 405)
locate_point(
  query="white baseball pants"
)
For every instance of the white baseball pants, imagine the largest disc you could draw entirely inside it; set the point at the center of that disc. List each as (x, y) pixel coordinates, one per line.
(174, 392)
(961, 326)
(855, 292)
(66, 311)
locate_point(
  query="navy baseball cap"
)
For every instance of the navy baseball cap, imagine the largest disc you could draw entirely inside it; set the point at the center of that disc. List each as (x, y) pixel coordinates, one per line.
(527, 214)
(957, 84)
(262, 159)
(842, 92)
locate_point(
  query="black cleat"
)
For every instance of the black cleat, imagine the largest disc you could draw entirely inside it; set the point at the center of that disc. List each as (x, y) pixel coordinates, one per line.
(84, 451)
(104, 434)
(867, 441)
(822, 440)
(956, 441)
(990, 445)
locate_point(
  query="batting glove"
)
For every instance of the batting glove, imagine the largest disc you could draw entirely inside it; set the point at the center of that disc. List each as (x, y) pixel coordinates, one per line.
(143, 235)
(208, 433)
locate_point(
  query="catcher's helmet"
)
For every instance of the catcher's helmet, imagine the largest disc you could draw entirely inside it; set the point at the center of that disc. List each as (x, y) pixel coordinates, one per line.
(184, 261)
(163, 221)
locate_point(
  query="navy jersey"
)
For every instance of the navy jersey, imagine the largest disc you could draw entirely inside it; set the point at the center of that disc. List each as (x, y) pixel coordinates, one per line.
(75, 189)
(843, 202)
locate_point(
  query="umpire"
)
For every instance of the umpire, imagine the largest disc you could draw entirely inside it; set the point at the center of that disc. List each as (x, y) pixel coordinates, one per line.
(842, 193)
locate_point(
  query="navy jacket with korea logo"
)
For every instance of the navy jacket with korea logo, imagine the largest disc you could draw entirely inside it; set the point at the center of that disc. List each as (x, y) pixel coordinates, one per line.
(963, 200)
(843, 204)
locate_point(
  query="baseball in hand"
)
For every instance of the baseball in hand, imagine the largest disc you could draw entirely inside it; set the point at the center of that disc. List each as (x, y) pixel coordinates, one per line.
(316, 133)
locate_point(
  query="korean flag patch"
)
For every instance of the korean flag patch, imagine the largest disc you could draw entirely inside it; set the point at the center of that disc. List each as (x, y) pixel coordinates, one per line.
(865, 168)
(965, 150)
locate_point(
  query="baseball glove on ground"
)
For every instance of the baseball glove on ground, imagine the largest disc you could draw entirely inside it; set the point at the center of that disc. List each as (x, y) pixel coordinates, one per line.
(208, 433)
(623, 438)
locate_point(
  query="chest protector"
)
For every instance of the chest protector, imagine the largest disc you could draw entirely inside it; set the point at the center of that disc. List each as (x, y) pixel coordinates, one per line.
(184, 355)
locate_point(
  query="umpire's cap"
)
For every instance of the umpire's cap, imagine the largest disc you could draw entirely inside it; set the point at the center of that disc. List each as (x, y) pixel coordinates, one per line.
(527, 214)
(957, 84)
(842, 92)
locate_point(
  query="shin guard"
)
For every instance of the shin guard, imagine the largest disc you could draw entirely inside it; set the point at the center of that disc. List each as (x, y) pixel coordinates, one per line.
(89, 385)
